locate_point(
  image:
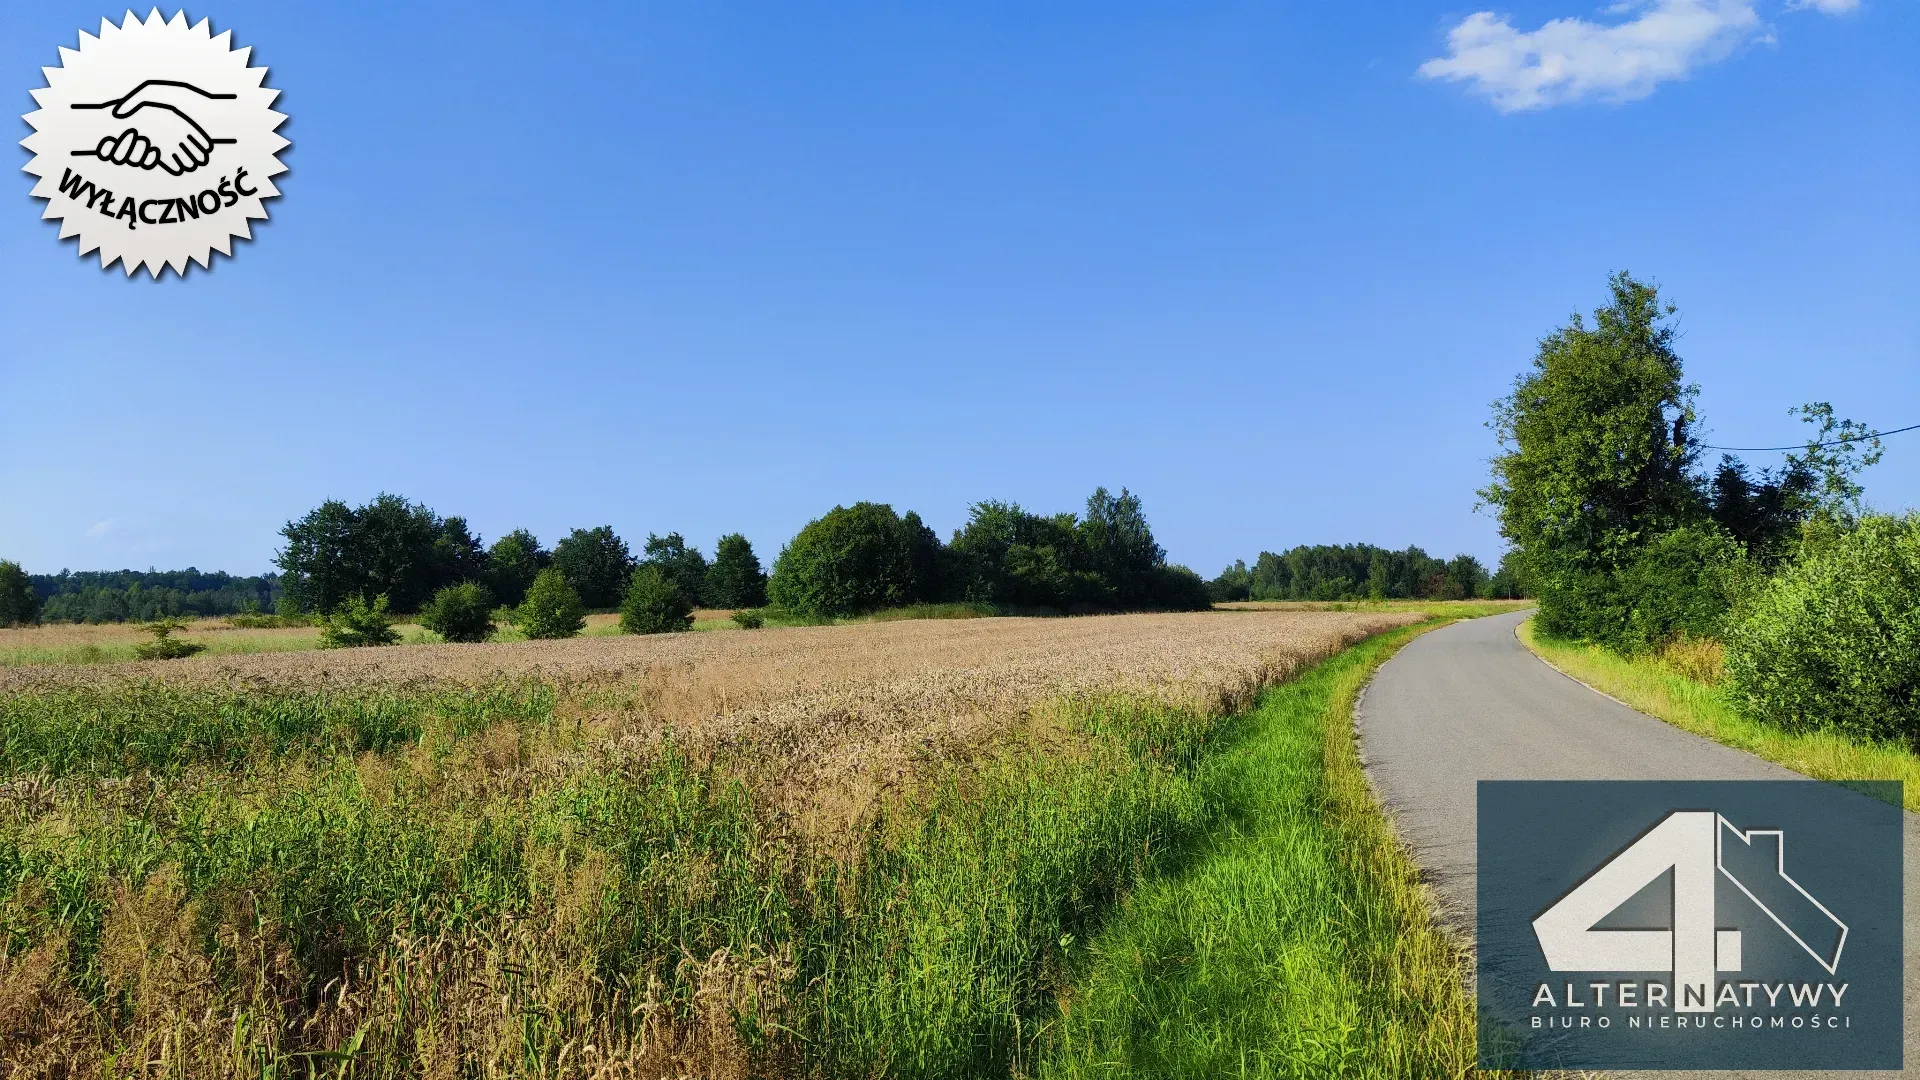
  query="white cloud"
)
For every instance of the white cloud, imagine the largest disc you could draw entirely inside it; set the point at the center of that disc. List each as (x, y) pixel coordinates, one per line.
(99, 529)
(1571, 60)
(1827, 7)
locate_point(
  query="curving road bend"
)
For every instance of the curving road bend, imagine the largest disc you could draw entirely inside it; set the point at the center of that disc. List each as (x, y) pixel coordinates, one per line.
(1468, 702)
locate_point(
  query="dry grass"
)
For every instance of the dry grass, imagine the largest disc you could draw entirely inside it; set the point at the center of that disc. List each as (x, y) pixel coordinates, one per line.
(841, 713)
(557, 895)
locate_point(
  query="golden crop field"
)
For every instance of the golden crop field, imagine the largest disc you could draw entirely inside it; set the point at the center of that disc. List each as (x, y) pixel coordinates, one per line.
(832, 850)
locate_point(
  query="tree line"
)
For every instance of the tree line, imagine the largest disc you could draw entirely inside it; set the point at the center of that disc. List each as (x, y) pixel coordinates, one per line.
(102, 596)
(1363, 572)
(405, 558)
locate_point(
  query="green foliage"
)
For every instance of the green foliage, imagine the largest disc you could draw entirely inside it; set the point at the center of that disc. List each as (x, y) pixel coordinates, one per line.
(748, 619)
(654, 604)
(680, 564)
(1509, 581)
(253, 620)
(1176, 588)
(1681, 583)
(596, 563)
(1120, 548)
(164, 645)
(1234, 583)
(1816, 488)
(389, 546)
(1833, 642)
(855, 559)
(512, 563)
(356, 623)
(735, 579)
(1018, 560)
(552, 608)
(18, 603)
(1351, 572)
(1103, 561)
(462, 613)
(1594, 455)
(106, 596)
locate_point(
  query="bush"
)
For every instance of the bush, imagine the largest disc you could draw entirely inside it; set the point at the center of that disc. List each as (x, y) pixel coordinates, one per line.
(552, 608)
(18, 604)
(1683, 582)
(358, 624)
(1833, 642)
(164, 645)
(654, 604)
(1176, 588)
(460, 613)
(853, 560)
(749, 619)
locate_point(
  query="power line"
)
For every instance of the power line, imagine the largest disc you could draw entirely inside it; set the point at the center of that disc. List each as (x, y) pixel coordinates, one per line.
(1812, 446)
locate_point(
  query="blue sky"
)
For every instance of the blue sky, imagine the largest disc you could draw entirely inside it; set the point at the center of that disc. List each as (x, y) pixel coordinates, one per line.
(716, 267)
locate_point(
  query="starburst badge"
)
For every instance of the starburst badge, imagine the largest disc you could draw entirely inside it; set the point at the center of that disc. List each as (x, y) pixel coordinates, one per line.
(155, 144)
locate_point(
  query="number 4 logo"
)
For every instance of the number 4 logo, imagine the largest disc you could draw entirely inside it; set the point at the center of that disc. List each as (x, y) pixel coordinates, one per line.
(1690, 844)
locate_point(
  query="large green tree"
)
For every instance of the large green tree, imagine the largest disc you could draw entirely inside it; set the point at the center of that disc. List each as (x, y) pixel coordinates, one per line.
(1595, 459)
(680, 563)
(597, 563)
(390, 547)
(1120, 547)
(735, 579)
(18, 603)
(512, 562)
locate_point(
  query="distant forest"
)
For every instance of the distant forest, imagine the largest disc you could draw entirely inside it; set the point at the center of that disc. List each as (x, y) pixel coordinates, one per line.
(1363, 572)
(102, 596)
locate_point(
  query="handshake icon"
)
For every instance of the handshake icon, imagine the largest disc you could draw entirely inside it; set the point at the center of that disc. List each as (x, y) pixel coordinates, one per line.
(165, 135)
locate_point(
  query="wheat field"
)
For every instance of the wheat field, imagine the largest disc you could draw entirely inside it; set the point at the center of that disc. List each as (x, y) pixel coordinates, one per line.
(846, 850)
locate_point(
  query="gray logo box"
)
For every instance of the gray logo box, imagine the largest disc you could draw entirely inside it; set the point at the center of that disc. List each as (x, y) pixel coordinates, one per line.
(1732, 924)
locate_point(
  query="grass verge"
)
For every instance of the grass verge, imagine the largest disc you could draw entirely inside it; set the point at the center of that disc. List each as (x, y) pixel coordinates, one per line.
(1295, 940)
(1657, 690)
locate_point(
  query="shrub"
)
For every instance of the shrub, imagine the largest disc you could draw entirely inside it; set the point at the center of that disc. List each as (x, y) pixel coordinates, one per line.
(654, 604)
(18, 604)
(749, 619)
(1176, 588)
(852, 560)
(358, 624)
(1833, 642)
(552, 608)
(460, 613)
(164, 645)
(1681, 583)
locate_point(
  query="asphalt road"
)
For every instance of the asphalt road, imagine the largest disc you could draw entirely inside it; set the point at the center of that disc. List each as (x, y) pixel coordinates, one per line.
(1468, 702)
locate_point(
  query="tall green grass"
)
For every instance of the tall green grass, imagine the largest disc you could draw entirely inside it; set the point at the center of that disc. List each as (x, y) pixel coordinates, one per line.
(226, 885)
(1294, 940)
